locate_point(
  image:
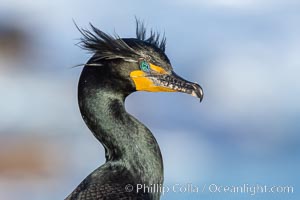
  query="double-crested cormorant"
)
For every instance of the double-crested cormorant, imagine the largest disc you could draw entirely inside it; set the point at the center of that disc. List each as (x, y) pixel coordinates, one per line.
(119, 67)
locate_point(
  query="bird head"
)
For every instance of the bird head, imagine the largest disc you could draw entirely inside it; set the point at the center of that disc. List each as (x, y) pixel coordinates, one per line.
(141, 61)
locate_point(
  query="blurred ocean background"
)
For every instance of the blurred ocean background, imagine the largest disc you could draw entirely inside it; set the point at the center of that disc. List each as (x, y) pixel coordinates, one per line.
(244, 53)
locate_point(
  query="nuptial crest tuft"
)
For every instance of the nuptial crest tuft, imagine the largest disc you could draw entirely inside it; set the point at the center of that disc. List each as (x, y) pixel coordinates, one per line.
(154, 38)
(113, 47)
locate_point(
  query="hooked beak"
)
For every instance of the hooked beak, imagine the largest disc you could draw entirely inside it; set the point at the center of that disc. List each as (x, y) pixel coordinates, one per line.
(165, 82)
(175, 82)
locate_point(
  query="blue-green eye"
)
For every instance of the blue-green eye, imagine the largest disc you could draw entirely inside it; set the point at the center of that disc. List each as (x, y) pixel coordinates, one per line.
(145, 66)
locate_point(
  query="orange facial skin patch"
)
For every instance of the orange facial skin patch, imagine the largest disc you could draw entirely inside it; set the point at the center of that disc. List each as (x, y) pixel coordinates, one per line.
(158, 69)
(144, 83)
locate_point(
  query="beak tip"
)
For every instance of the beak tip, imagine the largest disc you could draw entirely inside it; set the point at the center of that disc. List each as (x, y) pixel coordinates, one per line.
(201, 98)
(198, 91)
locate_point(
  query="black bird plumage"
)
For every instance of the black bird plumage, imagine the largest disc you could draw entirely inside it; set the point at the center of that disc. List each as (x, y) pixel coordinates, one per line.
(108, 47)
(132, 154)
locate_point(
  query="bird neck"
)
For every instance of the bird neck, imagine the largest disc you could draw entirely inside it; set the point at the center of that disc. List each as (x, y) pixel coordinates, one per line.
(126, 140)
